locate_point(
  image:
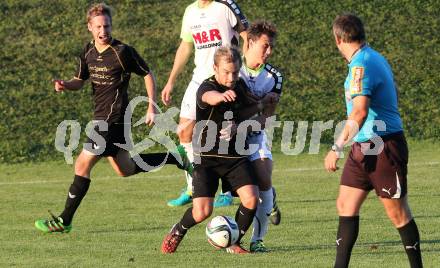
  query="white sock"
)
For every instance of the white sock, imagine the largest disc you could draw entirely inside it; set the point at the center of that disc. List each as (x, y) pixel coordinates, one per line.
(261, 219)
(228, 193)
(190, 153)
(189, 181)
(189, 150)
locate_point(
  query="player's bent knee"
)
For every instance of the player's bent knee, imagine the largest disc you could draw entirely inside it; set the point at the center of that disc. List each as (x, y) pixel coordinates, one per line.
(248, 196)
(250, 202)
(202, 214)
(398, 211)
(185, 130)
(82, 168)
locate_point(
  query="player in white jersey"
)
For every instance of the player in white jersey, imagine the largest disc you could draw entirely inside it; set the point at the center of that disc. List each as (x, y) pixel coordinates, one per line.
(262, 79)
(206, 26)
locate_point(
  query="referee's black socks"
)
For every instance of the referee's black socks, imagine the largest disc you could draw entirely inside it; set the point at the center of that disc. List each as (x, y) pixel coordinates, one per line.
(77, 191)
(244, 217)
(409, 234)
(348, 231)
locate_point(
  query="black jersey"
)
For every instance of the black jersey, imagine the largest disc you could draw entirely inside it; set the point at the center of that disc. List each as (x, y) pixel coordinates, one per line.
(216, 115)
(109, 72)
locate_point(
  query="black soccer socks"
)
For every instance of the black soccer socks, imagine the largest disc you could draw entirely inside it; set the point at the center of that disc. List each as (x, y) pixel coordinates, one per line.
(348, 231)
(244, 217)
(411, 242)
(156, 160)
(186, 222)
(77, 191)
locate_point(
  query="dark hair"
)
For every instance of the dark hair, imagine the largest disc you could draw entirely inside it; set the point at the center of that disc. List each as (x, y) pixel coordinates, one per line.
(260, 27)
(100, 9)
(349, 28)
(229, 54)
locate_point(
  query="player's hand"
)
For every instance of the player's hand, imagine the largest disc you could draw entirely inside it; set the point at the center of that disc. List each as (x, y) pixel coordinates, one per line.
(330, 161)
(229, 131)
(59, 85)
(151, 116)
(166, 94)
(229, 96)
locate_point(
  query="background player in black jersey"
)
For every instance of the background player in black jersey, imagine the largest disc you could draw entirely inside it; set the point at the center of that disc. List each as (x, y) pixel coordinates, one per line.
(224, 95)
(108, 63)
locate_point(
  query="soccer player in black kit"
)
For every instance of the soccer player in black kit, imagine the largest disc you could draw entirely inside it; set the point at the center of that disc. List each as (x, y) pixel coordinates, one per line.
(219, 97)
(108, 64)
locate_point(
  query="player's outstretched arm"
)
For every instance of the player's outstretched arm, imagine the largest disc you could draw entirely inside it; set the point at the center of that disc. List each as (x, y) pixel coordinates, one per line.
(214, 97)
(150, 85)
(72, 84)
(182, 56)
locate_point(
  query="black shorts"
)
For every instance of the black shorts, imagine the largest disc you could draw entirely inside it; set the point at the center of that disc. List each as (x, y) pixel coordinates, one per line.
(385, 173)
(114, 134)
(234, 173)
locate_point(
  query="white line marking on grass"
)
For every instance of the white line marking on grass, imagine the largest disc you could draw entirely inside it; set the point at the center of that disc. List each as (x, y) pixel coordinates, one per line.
(173, 176)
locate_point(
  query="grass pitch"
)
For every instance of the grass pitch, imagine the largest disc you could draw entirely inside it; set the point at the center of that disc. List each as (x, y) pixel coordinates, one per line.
(122, 221)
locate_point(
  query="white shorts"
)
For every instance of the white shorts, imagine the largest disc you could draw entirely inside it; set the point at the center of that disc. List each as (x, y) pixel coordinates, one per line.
(189, 102)
(263, 149)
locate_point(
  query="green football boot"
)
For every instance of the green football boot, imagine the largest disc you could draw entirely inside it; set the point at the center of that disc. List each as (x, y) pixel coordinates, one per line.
(258, 247)
(55, 225)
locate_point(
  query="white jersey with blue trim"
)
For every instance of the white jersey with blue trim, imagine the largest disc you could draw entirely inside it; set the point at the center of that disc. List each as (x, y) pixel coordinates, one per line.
(260, 82)
(263, 80)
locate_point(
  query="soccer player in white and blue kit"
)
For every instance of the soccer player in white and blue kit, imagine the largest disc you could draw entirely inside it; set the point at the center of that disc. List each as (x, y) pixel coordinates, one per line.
(379, 155)
(262, 79)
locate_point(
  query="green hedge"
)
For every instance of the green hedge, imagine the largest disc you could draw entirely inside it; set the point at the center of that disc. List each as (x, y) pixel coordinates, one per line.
(42, 38)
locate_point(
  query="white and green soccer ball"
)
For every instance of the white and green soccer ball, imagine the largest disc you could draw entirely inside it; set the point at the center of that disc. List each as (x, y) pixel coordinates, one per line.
(222, 231)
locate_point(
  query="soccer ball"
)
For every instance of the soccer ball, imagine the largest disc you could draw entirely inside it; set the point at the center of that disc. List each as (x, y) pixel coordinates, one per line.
(222, 231)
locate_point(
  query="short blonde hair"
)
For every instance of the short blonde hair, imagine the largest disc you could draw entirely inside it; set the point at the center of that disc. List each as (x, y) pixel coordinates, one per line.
(227, 53)
(100, 9)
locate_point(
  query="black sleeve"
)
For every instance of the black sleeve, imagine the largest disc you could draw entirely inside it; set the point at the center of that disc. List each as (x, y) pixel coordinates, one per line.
(204, 87)
(242, 22)
(135, 63)
(82, 71)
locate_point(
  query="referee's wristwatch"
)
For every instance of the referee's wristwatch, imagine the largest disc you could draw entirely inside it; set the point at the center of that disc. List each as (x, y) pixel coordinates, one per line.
(335, 148)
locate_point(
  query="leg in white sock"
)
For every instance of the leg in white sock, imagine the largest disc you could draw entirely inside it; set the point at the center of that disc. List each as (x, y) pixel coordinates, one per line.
(261, 219)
